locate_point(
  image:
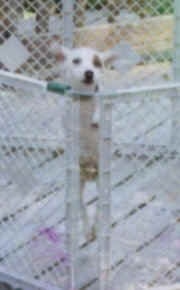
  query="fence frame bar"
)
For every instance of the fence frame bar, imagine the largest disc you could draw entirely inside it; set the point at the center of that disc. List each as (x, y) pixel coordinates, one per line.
(104, 204)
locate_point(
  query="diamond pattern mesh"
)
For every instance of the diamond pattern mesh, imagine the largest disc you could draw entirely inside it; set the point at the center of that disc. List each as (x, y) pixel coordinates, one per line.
(143, 235)
(147, 26)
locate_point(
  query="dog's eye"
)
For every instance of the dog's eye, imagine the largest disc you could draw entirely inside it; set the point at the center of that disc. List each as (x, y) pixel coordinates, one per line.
(97, 62)
(76, 60)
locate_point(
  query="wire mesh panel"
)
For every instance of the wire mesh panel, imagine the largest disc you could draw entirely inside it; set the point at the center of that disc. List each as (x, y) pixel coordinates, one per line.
(27, 27)
(38, 206)
(140, 229)
(142, 32)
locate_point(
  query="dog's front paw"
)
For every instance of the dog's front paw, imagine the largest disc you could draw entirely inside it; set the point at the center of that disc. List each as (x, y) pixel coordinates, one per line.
(94, 125)
(95, 119)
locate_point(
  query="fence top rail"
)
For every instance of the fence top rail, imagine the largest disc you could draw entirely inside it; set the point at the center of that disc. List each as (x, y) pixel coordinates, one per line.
(24, 82)
(128, 92)
(141, 90)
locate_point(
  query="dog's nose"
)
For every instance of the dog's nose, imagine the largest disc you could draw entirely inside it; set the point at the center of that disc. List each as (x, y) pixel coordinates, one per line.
(89, 75)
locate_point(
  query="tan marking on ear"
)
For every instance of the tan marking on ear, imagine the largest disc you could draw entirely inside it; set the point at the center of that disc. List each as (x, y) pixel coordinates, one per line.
(60, 56)
(57, 51)
(97, 61)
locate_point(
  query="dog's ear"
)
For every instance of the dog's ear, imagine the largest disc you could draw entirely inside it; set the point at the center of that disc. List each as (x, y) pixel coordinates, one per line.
(60, 52)
(109, 57)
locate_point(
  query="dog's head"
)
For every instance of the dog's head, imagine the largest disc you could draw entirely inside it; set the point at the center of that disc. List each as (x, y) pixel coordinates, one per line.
(81, 67)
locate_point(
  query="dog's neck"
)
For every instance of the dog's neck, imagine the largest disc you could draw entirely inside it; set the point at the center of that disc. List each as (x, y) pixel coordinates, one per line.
(89, 95)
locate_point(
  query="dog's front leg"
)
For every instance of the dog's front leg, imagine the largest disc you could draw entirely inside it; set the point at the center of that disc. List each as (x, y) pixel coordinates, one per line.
(96, 114)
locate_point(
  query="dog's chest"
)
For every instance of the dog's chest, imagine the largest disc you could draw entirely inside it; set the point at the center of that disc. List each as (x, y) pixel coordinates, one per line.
(88, 140)
(88, 133)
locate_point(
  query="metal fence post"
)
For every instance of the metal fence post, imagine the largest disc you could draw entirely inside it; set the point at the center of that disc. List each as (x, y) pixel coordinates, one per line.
(68, 16)
(72, 187)
(176, 72)
(72, 156)
(176, 62)
(104, 214)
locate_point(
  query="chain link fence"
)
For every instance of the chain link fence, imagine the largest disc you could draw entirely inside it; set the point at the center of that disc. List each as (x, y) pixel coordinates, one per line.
(32, 181)
(137, 240)
(144, 227)
(144, 29)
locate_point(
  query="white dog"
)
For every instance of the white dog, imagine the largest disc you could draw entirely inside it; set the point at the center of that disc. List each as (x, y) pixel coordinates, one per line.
(82, 69)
